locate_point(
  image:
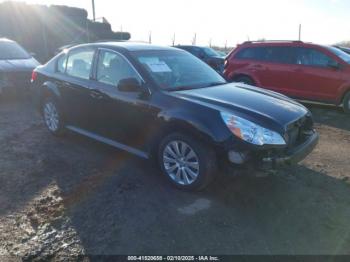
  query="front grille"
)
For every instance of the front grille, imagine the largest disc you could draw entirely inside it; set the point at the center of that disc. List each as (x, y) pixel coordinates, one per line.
(299, 131)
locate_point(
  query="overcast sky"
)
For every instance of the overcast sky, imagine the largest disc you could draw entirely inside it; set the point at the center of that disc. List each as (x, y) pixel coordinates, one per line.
(323, 21)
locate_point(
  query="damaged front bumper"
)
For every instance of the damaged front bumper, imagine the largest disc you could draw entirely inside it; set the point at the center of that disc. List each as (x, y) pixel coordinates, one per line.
(273, 158)
(292, 156)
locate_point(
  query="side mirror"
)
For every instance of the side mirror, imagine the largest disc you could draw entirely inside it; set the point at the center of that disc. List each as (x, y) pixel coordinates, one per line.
(334, 65)
(129, 85)
(32, 54)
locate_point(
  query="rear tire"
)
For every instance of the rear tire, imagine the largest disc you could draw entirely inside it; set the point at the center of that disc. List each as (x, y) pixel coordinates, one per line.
(188, 163)
(52, 116)
(244, 79)
(346, 103)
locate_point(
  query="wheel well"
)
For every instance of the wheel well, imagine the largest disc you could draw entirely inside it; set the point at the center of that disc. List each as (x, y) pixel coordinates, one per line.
(175, 127)
(241, 75)
(344, 95)
(46, 93)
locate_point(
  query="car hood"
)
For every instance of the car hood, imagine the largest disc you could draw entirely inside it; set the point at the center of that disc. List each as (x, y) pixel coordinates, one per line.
(18, 65)
(217, 58)
(261, 106)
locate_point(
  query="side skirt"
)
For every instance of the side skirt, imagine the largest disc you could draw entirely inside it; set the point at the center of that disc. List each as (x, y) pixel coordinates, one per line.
(108, 141)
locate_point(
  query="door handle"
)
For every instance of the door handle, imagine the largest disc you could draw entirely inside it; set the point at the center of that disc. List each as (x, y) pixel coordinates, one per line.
(96, 94)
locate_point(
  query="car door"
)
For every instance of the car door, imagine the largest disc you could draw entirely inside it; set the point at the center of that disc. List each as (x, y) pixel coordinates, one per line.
(317, 79)
(119, 115)
(276, 69)
(74, 86)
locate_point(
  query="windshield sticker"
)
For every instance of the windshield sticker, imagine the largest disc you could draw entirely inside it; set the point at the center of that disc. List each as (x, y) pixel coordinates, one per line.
(145, 60)
(159, 67)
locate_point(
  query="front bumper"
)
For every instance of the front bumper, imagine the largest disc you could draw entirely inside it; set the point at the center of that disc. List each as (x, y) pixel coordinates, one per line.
(293, 156)
(273, 158)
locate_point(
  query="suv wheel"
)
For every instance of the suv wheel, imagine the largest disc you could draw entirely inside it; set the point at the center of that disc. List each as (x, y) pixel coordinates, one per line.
(52, 116)
(187, 163)
(346, 103)
(244, 79)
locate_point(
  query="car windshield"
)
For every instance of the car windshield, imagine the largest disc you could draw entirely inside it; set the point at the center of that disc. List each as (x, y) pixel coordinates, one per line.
(210, 52)
(175, 70)
(341, 54)
(12, 50)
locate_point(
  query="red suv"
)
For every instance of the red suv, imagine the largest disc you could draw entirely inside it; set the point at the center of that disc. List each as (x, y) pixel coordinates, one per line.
(301, 70)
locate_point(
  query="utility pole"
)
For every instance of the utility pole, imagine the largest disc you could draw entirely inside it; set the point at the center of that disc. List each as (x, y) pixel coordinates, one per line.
(150, 37)
(93, 10)
(210, 42)
(194, 39)
(299, 32)
(174, 40)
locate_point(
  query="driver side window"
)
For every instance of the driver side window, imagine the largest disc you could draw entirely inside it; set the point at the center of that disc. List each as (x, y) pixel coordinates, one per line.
(112, 68)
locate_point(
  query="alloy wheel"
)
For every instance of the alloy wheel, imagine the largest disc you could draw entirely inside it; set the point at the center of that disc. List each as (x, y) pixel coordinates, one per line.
(51, 116)
(181, 162)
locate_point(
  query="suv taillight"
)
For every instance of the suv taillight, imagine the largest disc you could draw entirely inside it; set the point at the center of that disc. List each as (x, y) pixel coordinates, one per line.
(34, 76)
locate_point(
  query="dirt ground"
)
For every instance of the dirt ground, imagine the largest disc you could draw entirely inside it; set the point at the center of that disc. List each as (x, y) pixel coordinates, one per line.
(67, 196)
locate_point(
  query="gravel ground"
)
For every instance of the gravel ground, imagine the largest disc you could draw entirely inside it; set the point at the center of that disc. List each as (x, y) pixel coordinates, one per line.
(61, 197)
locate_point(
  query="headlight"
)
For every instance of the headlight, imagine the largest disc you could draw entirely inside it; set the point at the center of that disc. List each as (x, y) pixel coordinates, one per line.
(250, 132)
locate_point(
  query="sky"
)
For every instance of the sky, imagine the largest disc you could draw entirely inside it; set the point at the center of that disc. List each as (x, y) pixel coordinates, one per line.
(221, 21)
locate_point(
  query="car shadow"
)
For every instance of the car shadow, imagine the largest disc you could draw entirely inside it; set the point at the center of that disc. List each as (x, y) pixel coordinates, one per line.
(133, 210)
(119, 204)
(330, 116)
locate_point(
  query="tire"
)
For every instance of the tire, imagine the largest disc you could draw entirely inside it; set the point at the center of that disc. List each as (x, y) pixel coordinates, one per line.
(193, 174)
(244, 79)
(346, 103)
(52, 116)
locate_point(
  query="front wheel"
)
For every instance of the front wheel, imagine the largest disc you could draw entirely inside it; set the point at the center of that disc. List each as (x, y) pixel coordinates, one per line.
(346, 103)
(187, 163)
(52, 116)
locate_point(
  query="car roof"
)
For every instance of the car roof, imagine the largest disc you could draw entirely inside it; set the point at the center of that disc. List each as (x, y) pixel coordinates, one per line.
(191, 46)
(129, 46)
(3, 39)
(278, 43)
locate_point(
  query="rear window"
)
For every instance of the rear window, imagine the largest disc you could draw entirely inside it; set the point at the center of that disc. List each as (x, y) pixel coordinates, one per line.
(253, 53)
(11, 51)
(274, 54)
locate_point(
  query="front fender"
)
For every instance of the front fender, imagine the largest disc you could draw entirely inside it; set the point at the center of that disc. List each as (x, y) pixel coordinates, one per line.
(208, 126)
